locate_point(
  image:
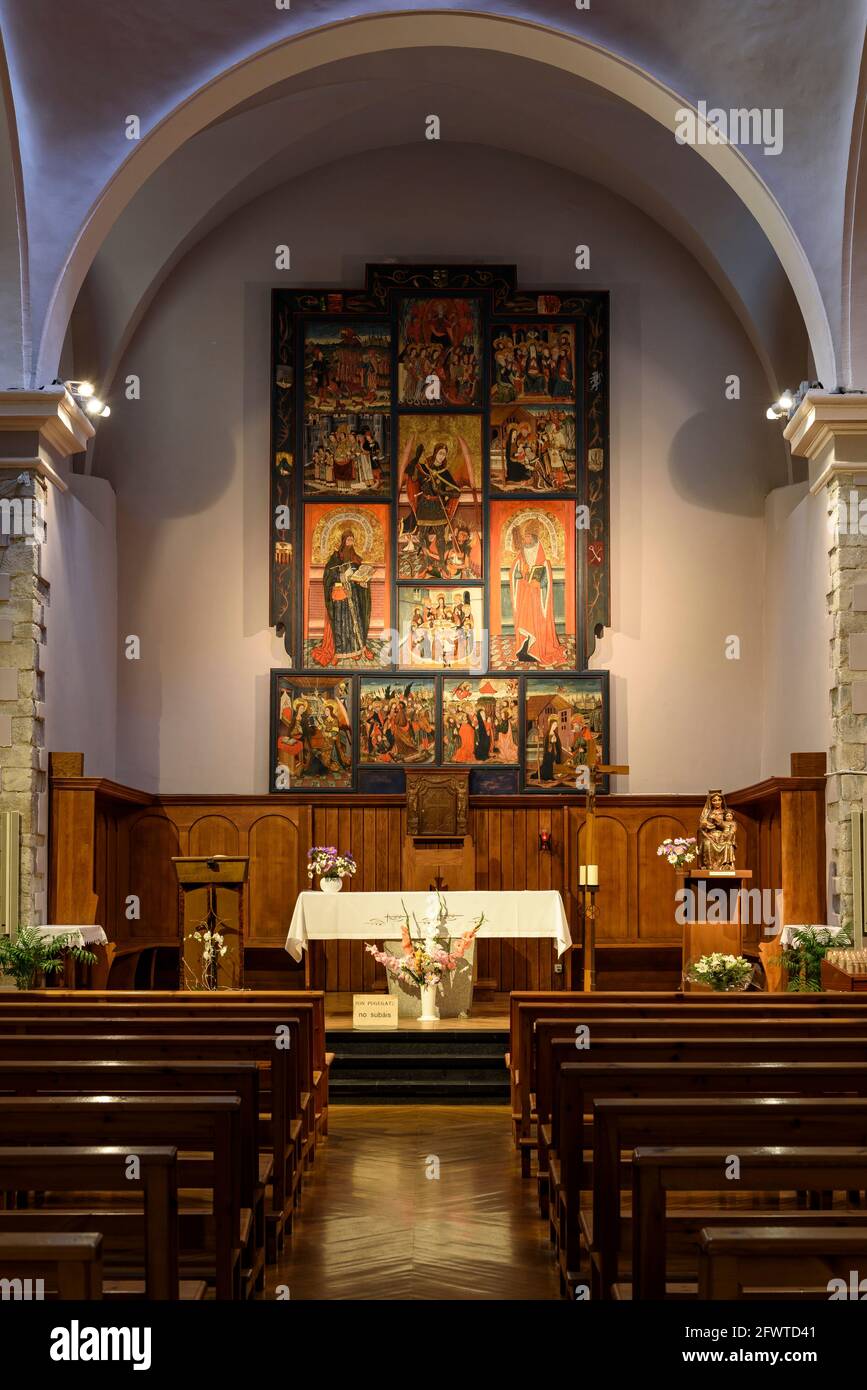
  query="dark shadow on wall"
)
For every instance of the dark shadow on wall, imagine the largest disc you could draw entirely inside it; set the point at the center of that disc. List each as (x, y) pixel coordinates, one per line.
(718, 466)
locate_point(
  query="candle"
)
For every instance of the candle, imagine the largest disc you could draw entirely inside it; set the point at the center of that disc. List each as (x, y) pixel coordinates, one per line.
(593, 875)
(582, 875)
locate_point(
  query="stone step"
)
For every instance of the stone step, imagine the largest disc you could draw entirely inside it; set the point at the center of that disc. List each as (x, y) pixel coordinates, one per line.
(407, 1065)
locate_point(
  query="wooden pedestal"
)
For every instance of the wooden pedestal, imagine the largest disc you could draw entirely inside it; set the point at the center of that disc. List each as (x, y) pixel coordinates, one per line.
(438, 843)
(211, 895)
(452, 860)
(703, 938)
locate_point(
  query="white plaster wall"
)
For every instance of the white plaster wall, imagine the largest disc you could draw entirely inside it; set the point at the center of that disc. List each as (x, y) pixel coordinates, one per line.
(689, 475)
(80, 563)
(797, 675)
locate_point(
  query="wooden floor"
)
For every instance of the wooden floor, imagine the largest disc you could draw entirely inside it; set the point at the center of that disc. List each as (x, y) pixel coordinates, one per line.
(491, 1013)
(373, 1226)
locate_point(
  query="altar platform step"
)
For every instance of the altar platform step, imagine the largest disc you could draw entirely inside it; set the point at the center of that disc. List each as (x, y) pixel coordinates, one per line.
(446, 1064)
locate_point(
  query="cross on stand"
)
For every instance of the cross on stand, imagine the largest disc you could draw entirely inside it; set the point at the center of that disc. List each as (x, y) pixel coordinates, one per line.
(588, 889)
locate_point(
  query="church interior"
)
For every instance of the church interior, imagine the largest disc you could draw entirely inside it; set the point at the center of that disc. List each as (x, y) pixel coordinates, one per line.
(433, 654)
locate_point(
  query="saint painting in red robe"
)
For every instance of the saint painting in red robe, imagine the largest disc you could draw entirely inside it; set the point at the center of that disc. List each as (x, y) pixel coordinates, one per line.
(532, 584)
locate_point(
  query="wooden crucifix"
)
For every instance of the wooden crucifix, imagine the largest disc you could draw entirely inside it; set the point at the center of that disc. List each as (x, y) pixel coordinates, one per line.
(587, 890)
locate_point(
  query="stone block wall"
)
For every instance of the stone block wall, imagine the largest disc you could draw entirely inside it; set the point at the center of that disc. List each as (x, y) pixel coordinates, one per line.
(23, 757)
(847, 603)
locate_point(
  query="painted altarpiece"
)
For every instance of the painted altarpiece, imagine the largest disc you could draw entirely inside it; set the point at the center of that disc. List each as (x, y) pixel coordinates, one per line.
(440, 515)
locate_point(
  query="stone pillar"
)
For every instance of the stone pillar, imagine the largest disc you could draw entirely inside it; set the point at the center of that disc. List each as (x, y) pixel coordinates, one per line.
(39, 432)
(831, 432)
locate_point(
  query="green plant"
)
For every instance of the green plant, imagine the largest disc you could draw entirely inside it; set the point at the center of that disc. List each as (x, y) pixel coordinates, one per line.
(803, 957)
(32, 954)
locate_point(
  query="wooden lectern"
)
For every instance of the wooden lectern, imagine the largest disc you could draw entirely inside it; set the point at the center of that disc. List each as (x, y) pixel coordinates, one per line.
(212, 896)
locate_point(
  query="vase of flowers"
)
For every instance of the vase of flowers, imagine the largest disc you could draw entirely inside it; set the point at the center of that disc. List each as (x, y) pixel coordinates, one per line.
(331, 866)
(721, 973)
(429, 1011)
(428, 957)
(680, 851)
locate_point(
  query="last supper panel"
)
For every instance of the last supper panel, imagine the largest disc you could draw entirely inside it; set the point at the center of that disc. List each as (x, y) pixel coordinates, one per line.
(440, 513)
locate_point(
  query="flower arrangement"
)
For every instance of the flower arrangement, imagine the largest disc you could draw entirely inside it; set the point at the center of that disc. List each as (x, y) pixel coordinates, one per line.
(328, 862)
(427, 958)
(680, 851)
(721, 972)
(213, 948)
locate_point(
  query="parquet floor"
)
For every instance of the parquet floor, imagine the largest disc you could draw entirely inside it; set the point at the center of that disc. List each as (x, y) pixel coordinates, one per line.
(373, 1225)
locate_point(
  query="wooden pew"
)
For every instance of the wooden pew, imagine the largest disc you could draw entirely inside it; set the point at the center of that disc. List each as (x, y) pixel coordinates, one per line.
(209, 1123)
(526, 1009)
(103, 1170)
(272, 1022)
(722, 1025)
(239, 1079)
(658, 1171)
(312, 1000)
(583, 1084)
(279, 1124)
(69, 1264)
(742, 1048)
(759, 1262)
(623, 1123)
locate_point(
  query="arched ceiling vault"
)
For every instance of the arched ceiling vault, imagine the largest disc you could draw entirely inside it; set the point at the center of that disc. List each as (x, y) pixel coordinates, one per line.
(183, 74)
(15, 347)
(360, 105)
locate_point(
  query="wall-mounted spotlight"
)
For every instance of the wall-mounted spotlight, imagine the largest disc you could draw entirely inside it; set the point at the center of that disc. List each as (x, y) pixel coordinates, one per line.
(546, 844)
(790, 400)
(781, 407)
(84, 395)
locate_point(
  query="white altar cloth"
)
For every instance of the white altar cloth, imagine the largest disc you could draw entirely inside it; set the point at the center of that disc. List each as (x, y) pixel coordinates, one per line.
(77, 935)
(362, 916)
(787, 935)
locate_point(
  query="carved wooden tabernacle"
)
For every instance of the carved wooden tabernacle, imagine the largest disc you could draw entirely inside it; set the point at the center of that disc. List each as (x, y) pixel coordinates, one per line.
(437, 803)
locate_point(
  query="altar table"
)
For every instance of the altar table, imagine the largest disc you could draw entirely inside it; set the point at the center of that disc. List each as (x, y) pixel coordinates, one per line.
(363, 916)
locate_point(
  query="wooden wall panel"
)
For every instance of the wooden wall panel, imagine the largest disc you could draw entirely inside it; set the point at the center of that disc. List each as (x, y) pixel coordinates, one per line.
(276, 876)
(214, 835)
(657, 880)
(612, 855)
(153, 841)
(107, 842)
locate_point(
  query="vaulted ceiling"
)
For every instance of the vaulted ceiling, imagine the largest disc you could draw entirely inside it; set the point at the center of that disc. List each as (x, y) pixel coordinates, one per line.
(234, 99)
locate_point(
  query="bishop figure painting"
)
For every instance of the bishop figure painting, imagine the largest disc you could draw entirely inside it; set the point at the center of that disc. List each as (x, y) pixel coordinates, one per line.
(533, 594)
(347, 601)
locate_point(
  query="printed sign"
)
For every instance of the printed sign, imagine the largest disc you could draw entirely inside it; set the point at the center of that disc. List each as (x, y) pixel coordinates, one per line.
(374, 1011)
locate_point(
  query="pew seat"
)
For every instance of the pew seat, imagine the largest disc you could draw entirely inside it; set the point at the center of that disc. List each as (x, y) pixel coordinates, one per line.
(776, 1261)
(69, 1265)
(660, 1170)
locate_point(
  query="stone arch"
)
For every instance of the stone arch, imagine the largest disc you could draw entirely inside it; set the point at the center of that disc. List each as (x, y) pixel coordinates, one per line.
(246, 80)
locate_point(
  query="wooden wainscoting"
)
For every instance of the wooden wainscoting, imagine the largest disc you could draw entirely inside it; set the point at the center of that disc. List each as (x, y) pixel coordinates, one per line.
(110, 844)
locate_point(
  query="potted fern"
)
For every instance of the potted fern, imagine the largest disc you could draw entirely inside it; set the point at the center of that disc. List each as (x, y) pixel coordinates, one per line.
(32, 955)
(802, 957)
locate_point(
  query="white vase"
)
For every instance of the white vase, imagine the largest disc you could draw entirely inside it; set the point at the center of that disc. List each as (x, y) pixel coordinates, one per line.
(429, 1011)
(330, 885)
